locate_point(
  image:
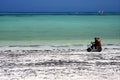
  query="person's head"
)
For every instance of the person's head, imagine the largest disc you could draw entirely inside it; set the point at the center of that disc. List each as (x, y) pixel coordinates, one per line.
(95, 38)
(98, 38)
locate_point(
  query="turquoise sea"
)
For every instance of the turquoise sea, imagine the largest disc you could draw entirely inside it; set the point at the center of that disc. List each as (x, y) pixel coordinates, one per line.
(60, 29)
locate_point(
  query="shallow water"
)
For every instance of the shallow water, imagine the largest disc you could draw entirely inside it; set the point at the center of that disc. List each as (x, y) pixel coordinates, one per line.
(58, 29)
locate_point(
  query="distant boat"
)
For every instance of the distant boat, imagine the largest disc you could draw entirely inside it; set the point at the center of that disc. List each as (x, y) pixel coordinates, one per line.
(100, 12)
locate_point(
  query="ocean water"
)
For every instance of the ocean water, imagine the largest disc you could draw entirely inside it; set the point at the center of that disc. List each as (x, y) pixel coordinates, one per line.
(48, 29)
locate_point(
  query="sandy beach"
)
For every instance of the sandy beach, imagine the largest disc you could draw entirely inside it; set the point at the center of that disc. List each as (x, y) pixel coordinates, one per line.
(59, 63)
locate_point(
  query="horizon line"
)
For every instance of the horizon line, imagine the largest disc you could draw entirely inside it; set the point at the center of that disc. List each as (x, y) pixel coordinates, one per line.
(57, 11)
(64, 13)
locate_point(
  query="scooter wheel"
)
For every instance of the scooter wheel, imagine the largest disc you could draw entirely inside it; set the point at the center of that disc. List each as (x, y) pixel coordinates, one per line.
(88, 49)
(99, 49)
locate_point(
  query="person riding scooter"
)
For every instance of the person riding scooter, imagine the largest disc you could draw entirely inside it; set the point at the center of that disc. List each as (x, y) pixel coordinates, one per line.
(95, 46)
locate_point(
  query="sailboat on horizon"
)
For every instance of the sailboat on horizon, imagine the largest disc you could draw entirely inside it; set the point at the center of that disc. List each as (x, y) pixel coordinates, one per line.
(100, 12)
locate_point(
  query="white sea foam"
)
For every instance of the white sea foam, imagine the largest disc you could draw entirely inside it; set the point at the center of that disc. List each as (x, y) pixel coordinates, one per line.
(59, 63)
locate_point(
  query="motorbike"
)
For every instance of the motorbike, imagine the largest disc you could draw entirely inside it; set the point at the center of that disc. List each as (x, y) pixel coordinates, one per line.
(92, 48)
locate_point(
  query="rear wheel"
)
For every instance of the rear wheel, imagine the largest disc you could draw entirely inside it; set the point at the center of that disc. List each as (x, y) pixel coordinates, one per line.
(99, 49)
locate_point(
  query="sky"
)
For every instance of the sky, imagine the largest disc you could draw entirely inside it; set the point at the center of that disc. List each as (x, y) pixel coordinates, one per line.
(59, 5)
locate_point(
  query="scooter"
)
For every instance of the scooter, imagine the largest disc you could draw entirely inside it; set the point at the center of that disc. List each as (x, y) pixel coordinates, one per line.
(91, 48)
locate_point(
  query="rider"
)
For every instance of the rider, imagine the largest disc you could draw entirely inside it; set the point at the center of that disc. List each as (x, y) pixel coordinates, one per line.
(97, 43)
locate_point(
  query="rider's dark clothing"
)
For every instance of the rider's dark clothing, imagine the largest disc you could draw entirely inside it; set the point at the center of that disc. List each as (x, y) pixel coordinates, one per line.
(97, 43)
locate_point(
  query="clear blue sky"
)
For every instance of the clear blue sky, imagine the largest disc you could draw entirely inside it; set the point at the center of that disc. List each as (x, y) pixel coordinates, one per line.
(59, 5)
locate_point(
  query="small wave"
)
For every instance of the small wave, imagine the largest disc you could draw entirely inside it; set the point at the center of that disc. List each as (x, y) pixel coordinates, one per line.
(24, 45)
(111, 44)
(73, 45)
